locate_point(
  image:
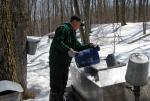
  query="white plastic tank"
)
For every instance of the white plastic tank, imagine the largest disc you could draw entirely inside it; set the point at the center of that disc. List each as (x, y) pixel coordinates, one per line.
(137, 70)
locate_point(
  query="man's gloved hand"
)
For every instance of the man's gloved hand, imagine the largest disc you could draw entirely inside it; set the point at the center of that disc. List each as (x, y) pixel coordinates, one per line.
(72, 53)
(92, 45)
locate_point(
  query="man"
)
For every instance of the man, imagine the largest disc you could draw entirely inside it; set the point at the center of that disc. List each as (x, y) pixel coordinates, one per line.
(64, 46)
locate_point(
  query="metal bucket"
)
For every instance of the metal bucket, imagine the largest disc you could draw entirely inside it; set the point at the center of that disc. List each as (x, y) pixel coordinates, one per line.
(10, 91)
(13, 96)
(137, 71)
(111, 60)
(32, 43)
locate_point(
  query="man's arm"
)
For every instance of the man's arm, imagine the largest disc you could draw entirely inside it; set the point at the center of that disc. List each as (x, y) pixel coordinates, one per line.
(80, 47)
(59, 38)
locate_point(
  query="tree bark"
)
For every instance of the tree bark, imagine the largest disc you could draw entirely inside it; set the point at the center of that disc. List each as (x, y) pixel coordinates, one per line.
(48, 12)
(147, 9)
(30, 4)
(144, 16)
(34, 20)
(8, 63)
(19, 37)
(71, 8)
(87, 20)
(123, 15)
(117, 11)
(140, 10)
(134, 11)
(62, 13)
(77, 12)
(13, 57)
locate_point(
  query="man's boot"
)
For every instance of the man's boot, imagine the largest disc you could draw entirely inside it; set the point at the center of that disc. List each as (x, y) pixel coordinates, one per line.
(54, 97)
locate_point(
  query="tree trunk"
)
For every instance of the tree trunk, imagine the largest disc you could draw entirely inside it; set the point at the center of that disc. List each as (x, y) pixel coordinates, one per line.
(144, 16)
(8, 64)
(13, 57)
(53, 20)
(99, 11)
(91, 14)
(42, 17)
(72, 13)
(104, 12)
(62, 13)
(19, 35)
(140, 10)
(134, 11)
(117, 11)
(77, 12)
(123, 15)
(48, 12)
(76, 7)
(30, 4)
(147, 6)
(34, 20)
(87, 20)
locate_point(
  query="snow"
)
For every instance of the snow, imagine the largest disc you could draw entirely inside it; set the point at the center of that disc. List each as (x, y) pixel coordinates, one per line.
(38, 70)
(103, 35)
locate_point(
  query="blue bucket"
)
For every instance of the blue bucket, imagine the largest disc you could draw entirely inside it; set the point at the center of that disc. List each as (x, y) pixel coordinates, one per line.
(87, 57)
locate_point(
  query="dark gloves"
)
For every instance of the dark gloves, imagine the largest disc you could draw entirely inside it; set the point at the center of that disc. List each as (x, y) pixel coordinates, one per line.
(92, 45)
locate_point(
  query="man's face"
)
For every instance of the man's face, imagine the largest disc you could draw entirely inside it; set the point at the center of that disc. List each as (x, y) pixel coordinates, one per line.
(75, 24)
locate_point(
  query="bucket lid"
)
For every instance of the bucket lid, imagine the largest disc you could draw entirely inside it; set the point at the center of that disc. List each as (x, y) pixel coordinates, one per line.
(33, 39)
(139, 58)
(6, 85)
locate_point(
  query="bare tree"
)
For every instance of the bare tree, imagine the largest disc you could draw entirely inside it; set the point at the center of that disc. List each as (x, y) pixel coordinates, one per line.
(19, 37)
(71, 5)
(54, 12)
(34, 18)
(87, 20)
(140, 9)
(8, 62)
(61, 10)
(123, 15)
(77, 12)
(30, 4)
(147, 9)
(117, 11)
(144, 6)
(134, 11)
(48, 12)
(13, 59)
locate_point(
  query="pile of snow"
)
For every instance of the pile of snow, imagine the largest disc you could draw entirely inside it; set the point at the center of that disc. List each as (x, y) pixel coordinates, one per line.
(103, 35)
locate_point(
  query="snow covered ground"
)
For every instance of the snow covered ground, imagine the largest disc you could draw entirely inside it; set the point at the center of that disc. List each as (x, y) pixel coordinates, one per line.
(103, 35)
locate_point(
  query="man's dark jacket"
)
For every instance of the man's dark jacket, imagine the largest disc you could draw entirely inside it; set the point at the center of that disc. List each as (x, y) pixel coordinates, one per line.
(64, 39)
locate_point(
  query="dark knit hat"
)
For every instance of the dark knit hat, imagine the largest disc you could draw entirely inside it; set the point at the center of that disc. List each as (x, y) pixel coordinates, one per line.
(77, 18)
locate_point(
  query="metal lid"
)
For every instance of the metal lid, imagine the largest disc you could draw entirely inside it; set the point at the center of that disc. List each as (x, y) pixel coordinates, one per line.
(139, 58)
(10, 85)
(33, 39)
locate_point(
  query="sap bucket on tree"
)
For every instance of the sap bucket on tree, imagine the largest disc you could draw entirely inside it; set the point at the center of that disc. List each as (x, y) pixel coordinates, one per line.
(87, 57)
(111, 60)
(32, 43)
(10, 91)
(137, 70)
